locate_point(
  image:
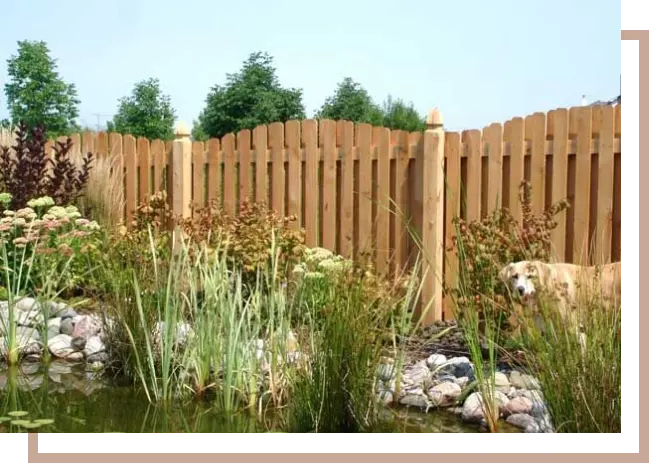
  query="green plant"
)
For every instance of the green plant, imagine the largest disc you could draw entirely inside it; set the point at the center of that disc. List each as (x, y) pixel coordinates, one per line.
(582, 385)
(36, 93)
(251, 97)
(24, 169)
(146, 113)
(43, 236)
(352, 318)
(484, 246)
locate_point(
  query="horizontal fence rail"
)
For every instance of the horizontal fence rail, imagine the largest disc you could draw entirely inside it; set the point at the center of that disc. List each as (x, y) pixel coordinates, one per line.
(358, 189)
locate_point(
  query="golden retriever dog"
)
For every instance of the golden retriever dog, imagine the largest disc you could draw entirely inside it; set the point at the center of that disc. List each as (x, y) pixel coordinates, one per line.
(567, 283)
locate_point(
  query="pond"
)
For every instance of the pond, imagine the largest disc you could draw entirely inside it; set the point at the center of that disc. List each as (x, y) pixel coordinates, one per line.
(75, 400)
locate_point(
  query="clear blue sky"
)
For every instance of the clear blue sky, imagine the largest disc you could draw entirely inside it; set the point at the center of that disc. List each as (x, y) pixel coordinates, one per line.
(478, 61)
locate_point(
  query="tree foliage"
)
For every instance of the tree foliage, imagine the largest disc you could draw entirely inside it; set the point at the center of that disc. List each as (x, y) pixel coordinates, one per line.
(250, 97)
(147, 112)
(36, 94)
(352, 102)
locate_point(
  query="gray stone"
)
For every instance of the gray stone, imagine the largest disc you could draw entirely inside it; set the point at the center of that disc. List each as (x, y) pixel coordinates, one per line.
(98, 357)
(386, 371)
(435, 361)
(61, 346)
(518, 405)
(78, 343)
(524, 381)
(536, 397)
(67, 326)
(460, 366)
(27, 304)
(94, 345)
(67, 312)
(473, 409)
(462, 381)
(86, 326)
(416, 374)
(444, 394)
(415, 400)
(54, 323)
(25, 333)
(51, 332)
(524, 422)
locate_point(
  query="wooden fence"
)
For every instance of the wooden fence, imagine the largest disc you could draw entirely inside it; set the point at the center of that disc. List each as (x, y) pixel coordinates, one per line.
(358, 188)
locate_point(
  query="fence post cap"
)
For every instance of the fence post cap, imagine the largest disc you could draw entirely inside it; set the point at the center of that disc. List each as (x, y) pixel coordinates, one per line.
(434, 119)
(182, 130)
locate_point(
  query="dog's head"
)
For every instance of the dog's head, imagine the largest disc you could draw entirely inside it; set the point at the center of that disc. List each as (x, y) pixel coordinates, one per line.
(519, 277)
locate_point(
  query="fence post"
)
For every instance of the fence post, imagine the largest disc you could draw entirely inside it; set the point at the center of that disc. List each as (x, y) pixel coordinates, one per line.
(181, 177)
(432, 224)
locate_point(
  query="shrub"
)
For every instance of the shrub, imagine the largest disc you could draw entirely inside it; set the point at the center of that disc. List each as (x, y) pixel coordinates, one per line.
(484, 246)
(41, 236)
(24, 169)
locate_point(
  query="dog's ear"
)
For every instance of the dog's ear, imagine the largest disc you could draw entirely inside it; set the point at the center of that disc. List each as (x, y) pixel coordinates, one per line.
(504, 272)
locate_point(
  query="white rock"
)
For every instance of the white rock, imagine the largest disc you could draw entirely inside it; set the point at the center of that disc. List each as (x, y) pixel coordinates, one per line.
(444, 394)
(473, 409)
(415, 400)
(435, 361)
(94, 345)
(54, 323)
(61, 346)
(524, 422)
(523, 381)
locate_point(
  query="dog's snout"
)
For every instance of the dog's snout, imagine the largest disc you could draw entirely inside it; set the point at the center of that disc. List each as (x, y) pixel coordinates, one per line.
(521, 290)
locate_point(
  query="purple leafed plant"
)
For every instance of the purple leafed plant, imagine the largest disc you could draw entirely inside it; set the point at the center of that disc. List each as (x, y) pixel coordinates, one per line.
(24, 169)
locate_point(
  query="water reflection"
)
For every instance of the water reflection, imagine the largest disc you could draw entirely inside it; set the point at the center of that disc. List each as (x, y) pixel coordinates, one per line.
(78, 401)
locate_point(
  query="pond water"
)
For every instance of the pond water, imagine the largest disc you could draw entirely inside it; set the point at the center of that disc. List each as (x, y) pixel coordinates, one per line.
(79, 401)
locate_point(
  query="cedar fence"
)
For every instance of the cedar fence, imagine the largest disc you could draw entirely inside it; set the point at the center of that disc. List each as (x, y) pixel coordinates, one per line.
(359, 189)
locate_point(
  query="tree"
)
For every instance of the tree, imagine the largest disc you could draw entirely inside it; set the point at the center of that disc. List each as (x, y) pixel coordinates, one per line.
(397, 115)
(146, 113)
(36, 94)
(250, 97)
(351, 102)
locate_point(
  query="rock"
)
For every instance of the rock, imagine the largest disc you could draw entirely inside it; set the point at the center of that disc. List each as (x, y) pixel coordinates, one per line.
(386, 371)
(61, 346)
(545, 423)
(85, 326)
(462, 381)
(24, 334)
(93, 346)
(415, 400)
(435, 361)
(51, 332)
(524, 422)
(101, 357)
(538, 403)
(27, 304)
(67, 312)
(473, 407)
(524, 381)
(67, 326)
(460, 366)
(444, 394)
(54, 324)
(518, 405)
(78, 343)
(416, 374)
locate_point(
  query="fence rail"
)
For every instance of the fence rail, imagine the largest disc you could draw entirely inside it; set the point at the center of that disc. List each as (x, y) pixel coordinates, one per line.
(357, 188)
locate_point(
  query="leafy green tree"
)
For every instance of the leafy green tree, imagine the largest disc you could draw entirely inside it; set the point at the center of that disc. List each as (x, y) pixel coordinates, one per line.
(351, 102)
(397, 115)
(36, 94)
(146, 113)
(250, 97)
